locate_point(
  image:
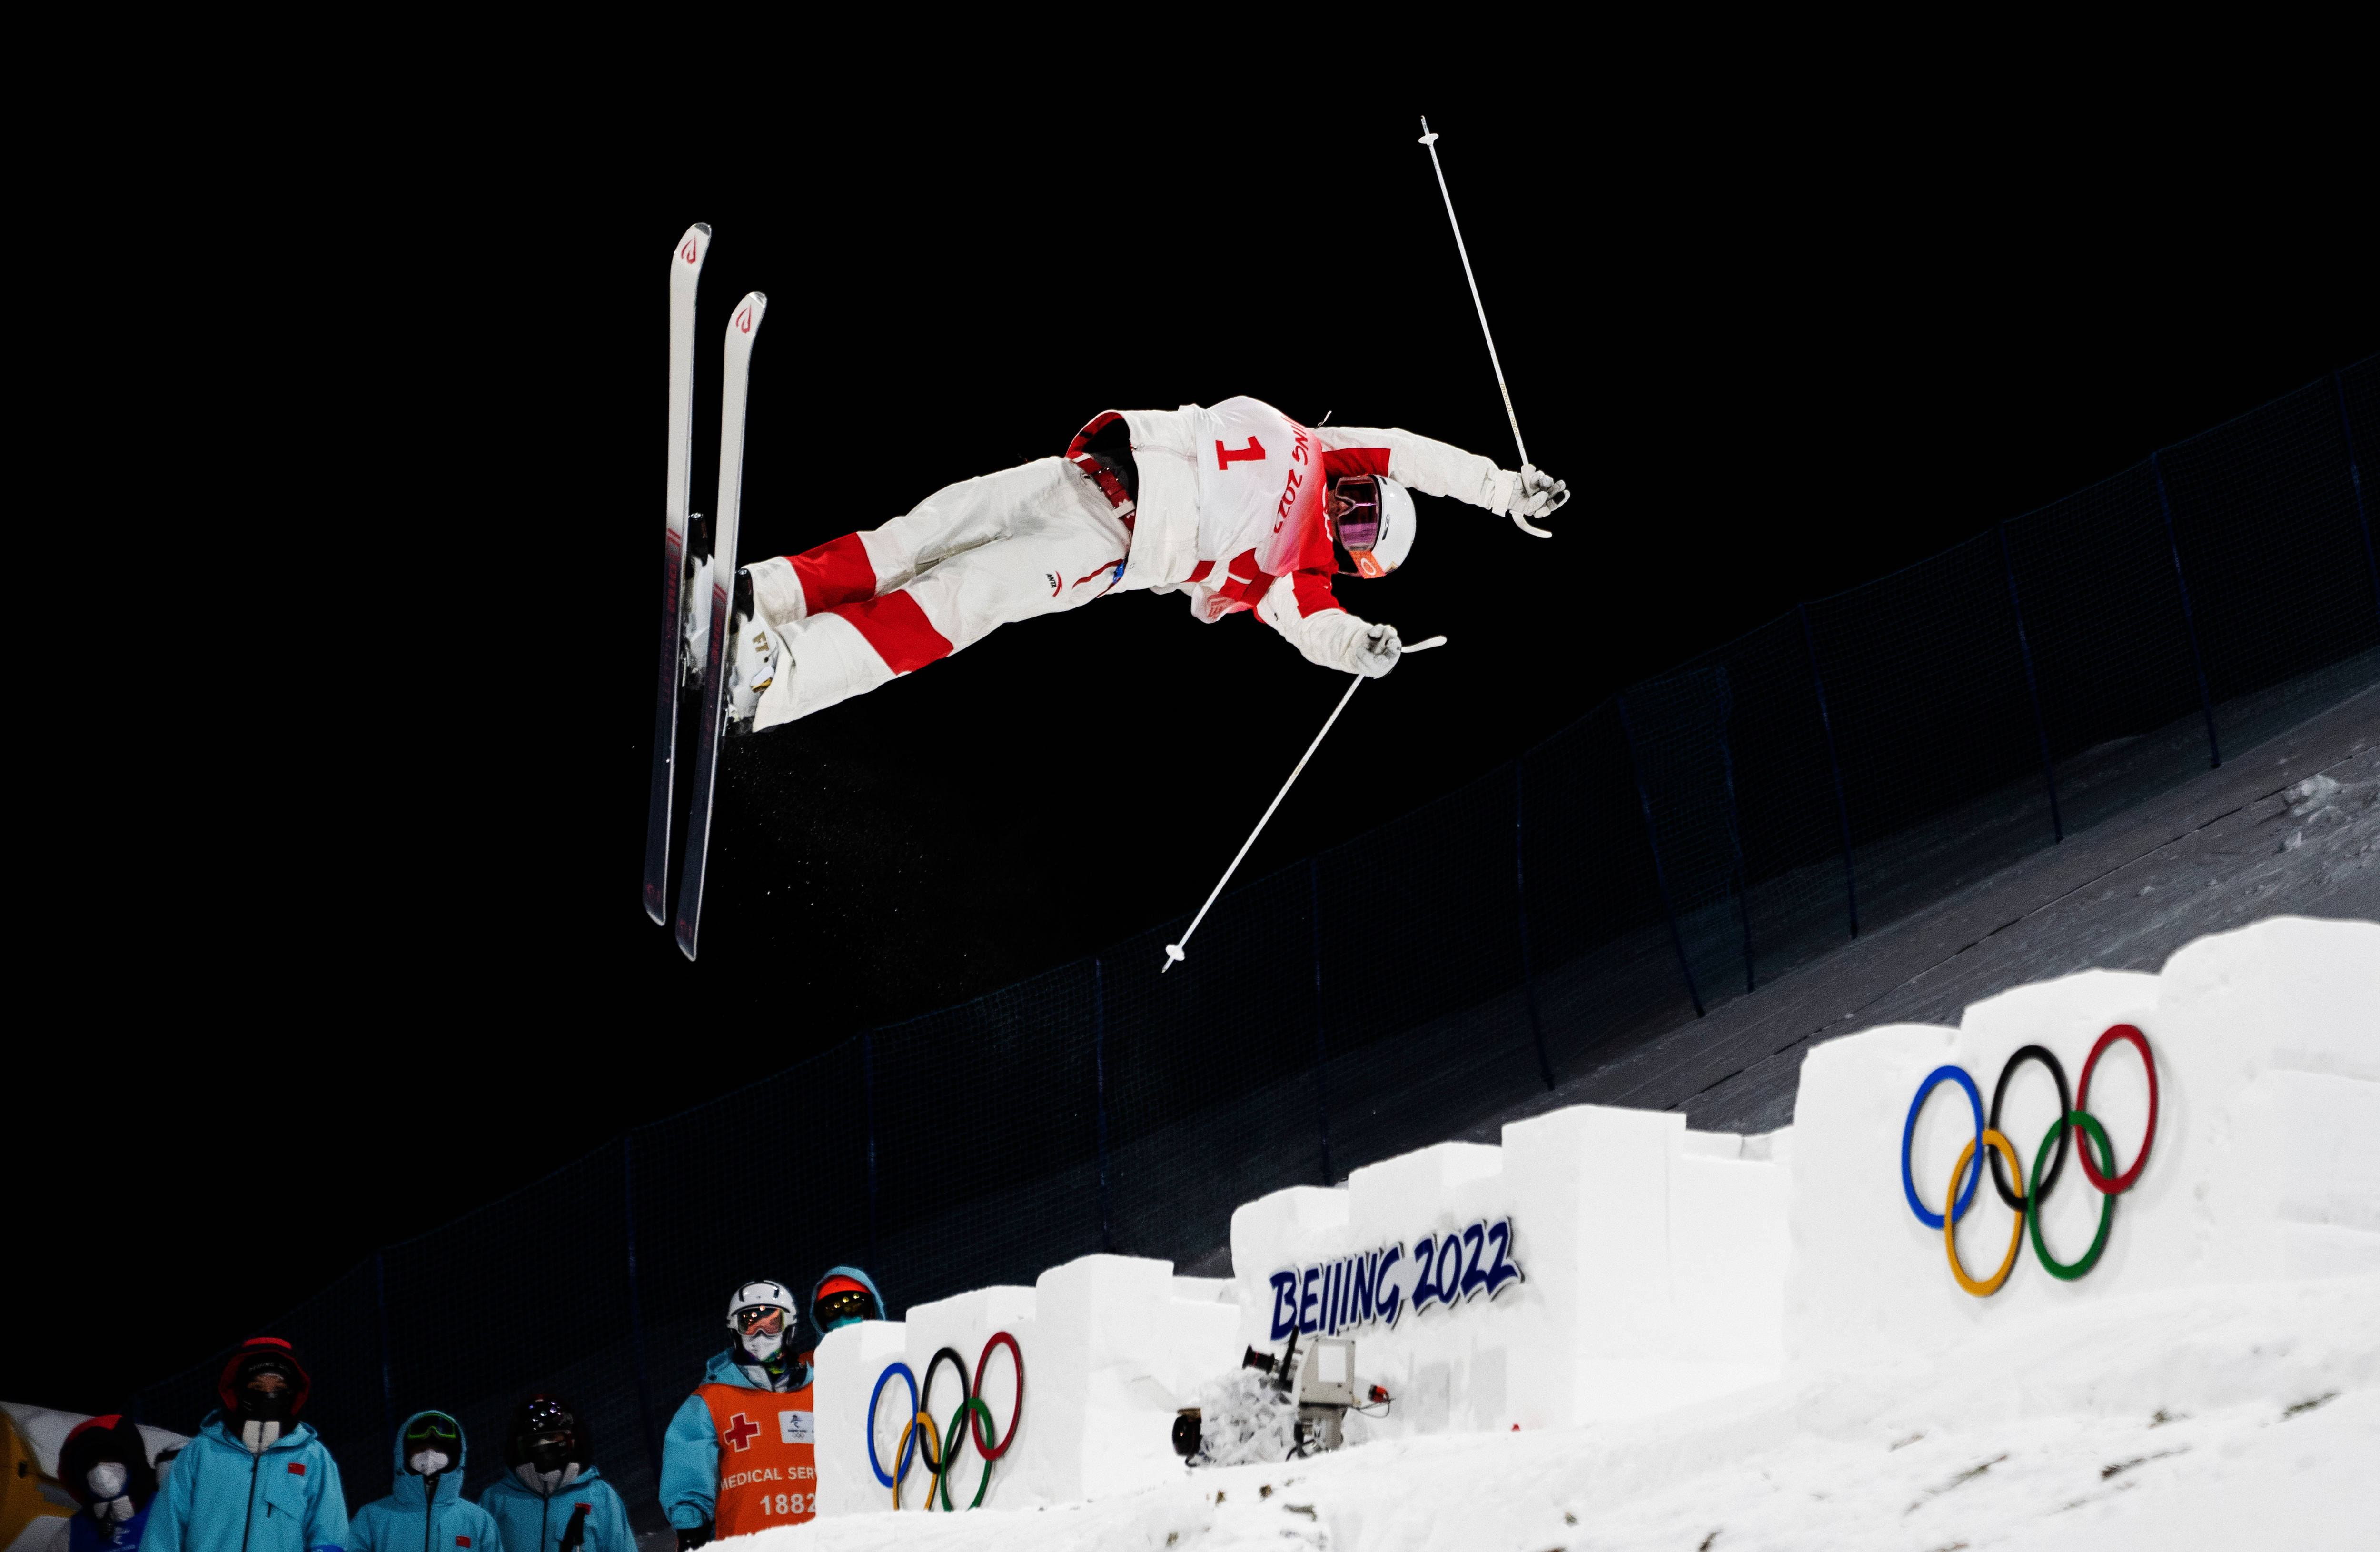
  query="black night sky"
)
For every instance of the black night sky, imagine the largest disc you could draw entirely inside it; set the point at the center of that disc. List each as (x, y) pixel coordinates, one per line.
(339, 932)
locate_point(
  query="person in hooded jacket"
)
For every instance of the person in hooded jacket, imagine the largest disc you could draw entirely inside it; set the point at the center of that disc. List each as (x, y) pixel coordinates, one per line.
(553, 1499)
(740, 1455)
(104, 1463)
(255, 1478)
(427, 1512)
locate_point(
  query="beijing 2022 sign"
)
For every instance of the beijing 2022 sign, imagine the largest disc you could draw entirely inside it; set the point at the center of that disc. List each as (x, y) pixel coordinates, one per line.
(1444, 1271)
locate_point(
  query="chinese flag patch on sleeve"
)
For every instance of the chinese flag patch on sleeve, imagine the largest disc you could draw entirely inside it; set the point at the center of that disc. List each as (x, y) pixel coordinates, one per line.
(462, 1541)
(296, 1468)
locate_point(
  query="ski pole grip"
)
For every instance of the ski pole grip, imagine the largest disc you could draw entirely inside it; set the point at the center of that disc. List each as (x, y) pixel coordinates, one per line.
(1425, 646)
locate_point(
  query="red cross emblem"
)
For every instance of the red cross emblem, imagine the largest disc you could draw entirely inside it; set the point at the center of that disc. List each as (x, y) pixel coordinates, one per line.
(741, 1431)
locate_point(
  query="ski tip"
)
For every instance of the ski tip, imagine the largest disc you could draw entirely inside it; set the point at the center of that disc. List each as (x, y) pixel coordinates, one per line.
(703, 227)
(691, 248)
(748, 314)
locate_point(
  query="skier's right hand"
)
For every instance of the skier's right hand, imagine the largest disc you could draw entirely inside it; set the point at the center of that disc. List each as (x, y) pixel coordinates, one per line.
(1374, 651)
(693, 1536)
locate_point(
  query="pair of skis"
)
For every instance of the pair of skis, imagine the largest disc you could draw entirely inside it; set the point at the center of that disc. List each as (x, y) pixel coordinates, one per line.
(698, 586)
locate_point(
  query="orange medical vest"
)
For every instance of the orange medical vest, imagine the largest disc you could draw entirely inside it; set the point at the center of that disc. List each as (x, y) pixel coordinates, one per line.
(768, 1457)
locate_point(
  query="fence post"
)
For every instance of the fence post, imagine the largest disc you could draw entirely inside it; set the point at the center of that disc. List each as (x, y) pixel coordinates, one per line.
(2188, 621)
(1825, 721)
(2355, 480)
(1321, 1048)
(1734, 822)
(867, 1084)
(1652, 839)
(635, 1305)
(387, 1367)
(1520, 894)
(2024, 650)
(1099, 1082)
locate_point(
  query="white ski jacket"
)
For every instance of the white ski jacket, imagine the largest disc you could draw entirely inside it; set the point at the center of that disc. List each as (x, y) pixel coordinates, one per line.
(1230, 510)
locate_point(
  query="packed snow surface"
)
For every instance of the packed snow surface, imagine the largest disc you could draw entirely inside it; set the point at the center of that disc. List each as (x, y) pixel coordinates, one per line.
(2231, 1416)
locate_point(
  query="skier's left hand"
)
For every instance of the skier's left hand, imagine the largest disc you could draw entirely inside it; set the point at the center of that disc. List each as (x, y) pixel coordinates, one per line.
(1375, 652)
(1529, 494)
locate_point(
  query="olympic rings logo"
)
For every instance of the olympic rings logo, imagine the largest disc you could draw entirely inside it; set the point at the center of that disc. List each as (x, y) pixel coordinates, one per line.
(1989, 1144)
(939, 1447)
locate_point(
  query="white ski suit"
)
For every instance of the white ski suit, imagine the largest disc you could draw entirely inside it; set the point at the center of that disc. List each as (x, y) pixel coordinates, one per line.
(1229, 510)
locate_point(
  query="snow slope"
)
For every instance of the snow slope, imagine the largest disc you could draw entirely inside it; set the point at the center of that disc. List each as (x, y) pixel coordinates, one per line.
(2291, 826)
(2214, 1417)
(2216, 1381)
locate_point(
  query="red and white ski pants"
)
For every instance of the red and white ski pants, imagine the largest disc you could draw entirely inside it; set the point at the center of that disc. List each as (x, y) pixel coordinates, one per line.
(864, 608)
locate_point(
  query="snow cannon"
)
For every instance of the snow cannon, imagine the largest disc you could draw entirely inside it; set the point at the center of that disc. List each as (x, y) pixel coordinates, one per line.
(1323, 1388)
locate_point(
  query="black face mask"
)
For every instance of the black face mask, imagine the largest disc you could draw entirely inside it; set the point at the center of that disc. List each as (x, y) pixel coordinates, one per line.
(257, 1406)
(550, 1455)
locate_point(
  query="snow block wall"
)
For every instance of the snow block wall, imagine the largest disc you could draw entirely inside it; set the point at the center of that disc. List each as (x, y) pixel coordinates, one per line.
(2267, 1050)
(1112, 1346)
(1601, 1263)
(1606, 1263)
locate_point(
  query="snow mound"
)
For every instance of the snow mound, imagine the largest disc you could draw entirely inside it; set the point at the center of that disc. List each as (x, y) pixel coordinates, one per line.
(1609, 1330)
(2241, 1415)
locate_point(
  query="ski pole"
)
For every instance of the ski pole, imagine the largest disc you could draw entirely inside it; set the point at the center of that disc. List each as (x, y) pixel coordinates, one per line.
(1431, 141)
(1173, 954)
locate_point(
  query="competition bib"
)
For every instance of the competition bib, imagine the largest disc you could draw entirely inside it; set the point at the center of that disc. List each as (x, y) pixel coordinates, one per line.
(1260, 484)
(768, 1464)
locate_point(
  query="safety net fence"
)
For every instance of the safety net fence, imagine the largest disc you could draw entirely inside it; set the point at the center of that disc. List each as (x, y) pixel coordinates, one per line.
(1679, 846)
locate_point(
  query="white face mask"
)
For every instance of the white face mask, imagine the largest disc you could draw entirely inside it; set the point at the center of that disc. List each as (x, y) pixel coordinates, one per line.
(107, 1480)
(258, 1437)
(428, 1462)
(763, 1348)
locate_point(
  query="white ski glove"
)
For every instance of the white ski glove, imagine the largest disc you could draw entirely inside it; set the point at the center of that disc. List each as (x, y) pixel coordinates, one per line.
(1370, 650)
(1530, 492)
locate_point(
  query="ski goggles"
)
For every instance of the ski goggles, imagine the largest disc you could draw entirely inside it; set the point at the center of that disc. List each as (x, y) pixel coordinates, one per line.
(437, 1429)
(1354, 505)
(767, 1320)
(850, 1302)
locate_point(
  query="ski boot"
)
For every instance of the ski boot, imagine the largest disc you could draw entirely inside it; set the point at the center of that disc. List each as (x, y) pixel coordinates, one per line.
(694, 608)
(755, 655)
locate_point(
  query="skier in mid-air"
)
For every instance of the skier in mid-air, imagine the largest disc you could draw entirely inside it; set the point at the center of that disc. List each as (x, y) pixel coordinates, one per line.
(1237, 505)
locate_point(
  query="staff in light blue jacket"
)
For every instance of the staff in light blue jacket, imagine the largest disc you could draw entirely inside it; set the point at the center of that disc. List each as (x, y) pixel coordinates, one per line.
(255, 1479)
(554, 1499)
(427, 1512)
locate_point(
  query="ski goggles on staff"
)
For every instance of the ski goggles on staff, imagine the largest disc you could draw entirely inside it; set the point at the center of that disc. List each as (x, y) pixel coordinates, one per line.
(434, 1431)
(1989, 1144)
(843, 1300)
(765, 1320)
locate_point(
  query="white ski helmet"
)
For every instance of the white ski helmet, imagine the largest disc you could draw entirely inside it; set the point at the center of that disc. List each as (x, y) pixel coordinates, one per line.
(749, 1303)
(1371, 519)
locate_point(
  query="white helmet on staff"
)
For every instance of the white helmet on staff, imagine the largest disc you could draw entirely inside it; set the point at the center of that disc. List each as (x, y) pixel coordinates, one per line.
(760, 1314)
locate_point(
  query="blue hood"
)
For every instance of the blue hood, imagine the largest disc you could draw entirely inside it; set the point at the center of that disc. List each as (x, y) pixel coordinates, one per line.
(408, 1488)
(856, 1275)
